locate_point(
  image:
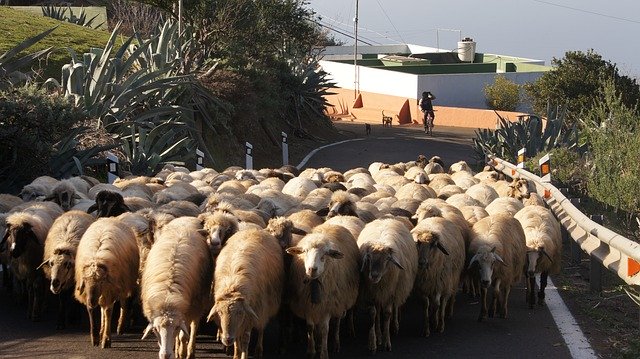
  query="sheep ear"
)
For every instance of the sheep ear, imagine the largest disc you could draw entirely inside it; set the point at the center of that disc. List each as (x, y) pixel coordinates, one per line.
(546, 254)
(212, 313)
(249, 310)
(473, 259)
(93, 208)
(394, 260)
(365, 258)
(498, 258)
(298, 231)
(203, 232)
(185, 329)
(46, 262)
(442, 248)
(294, 250)
(335, 254)
(146, 332)
(80, 287)
(323, 212)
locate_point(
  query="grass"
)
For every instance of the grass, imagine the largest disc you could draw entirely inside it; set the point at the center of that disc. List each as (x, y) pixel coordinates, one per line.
(16, 26)
(91, 11)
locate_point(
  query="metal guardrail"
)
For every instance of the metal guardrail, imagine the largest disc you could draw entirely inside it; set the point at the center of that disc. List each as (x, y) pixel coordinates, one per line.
(617, 253)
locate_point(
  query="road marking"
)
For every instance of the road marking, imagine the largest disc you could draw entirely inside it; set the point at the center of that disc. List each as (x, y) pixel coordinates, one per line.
(308, 157)
(577, 343)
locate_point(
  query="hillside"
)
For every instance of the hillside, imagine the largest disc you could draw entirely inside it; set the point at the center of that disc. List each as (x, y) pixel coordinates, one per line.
(16, 25)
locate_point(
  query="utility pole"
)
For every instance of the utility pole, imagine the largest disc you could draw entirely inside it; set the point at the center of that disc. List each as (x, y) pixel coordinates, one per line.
(355, 55)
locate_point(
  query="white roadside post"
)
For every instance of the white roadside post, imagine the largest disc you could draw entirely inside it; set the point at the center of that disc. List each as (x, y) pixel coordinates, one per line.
(112, 171)
(248, 156)
(285, 149)
(522, 157)
(199, 159)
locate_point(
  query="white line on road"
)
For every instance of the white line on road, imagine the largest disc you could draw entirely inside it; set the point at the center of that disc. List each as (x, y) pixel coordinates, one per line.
(574, 338)
(306, 159)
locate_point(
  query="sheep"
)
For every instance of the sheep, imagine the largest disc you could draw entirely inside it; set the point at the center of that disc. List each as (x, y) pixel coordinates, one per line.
(232, 186)
(236, 201)
(141, 225)
(462, 199)
(412, 172)
(65, 194)
(473, 214)
(275, 203)
(441, 259)
(487, 176)
(317, 199)
(385, 286)
(483, 193)
(109, 204)
(137, 190)
(440, 180)
(362, 180)
(508, 205)
(305, 220)
(299, 187)
(449, 190)
(460, 166)
(38, 189)
(124, 182)
(25, 234)
(518, 188)
(544, 247)
(343, 204)
(180, 209)
(177, 191)
(323, 282)
(464, 180)
(176, 288)
(498, 250)
(349, 173)
(415, 191)
(136, 203)
(332, 177)
(407, 205)
(248, 279)
(106, 270)
(93, 191)
(7, 202)
(59, 256)
(353, 224)
(533, 200)
(433, 167)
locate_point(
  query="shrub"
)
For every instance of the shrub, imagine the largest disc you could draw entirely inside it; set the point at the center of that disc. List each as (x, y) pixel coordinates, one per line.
(503, 95)
(568, 169)
(31, 123)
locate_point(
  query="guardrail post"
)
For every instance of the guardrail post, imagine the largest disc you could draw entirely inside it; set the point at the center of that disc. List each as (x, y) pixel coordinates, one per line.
(248, 149)
(199, 159)
(576, 251)
(285, 149)
(595, 267)
(113, 163)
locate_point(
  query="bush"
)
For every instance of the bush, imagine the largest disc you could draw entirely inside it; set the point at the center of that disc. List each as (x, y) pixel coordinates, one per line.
(31, 123)
(503, 95)
(567, 169)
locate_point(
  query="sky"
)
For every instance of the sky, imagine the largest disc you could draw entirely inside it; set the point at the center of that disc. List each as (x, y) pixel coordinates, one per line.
(537, 29)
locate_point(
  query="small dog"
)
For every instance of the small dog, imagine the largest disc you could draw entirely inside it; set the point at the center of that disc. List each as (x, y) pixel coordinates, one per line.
(367, 128)
(386, 120)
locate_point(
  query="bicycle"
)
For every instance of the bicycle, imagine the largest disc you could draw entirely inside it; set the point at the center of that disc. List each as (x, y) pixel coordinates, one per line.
(428, 122)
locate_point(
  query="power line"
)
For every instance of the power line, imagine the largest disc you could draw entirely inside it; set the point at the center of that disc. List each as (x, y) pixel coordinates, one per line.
(391, 22)
(363, 28)
(329, 27)
(588, 12)
(349, 33)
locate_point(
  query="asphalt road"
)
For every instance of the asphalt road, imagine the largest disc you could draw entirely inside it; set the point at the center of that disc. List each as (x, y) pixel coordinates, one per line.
(525, 334)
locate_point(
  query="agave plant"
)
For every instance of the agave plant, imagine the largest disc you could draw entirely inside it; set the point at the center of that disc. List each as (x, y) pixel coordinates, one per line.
(528, 132)
(55, 12)
(67, 160)
(60, 13)
(11, 62)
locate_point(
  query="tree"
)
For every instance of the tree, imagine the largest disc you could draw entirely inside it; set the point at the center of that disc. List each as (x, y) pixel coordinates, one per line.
(575, 82)
(503, 95)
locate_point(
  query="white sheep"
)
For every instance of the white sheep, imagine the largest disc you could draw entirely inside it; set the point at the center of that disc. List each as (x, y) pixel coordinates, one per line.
(249, 277)
(441, 259)
(473, 213)
(59, 256)
(389, 264)
(106, 270)
(544, 247)
(460, 166)
(507, 205)
(415, 191)
(534, 200)
(176, 288)
(449, 190)
(323, 281)
(439, 180)
(464, 180)
(498, 255)
(38, 189)
(483, 193)
(462, 199)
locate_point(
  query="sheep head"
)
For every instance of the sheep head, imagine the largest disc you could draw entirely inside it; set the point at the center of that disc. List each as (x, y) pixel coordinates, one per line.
(283, 229)
(519, 189)
(375, 262)
(428, 242)
(486, 257)
(315, 256)
(166, 328)
(218, 227)
(232, 314)
(33, 192)
(64, 194)
(533, 258)
(109, 204)
(342, 203)
(60, 267)
(94, 276)
(17, 237)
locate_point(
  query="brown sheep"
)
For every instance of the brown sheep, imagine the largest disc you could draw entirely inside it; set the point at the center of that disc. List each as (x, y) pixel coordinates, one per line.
(323, 282)
(248, 278)
(60, 256)
(389, 264)
(106, 270)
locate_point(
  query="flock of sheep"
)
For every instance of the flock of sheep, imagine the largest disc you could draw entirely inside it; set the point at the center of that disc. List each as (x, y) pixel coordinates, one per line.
(242, 247)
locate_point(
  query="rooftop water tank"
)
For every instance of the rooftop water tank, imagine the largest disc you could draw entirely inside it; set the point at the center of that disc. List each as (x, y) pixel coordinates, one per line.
(466, 49)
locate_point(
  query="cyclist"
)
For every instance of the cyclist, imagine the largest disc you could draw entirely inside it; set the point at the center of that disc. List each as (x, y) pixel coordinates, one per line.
(427, 109)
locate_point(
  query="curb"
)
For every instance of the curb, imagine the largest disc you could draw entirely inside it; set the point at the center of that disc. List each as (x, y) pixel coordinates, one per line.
(308, 157)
